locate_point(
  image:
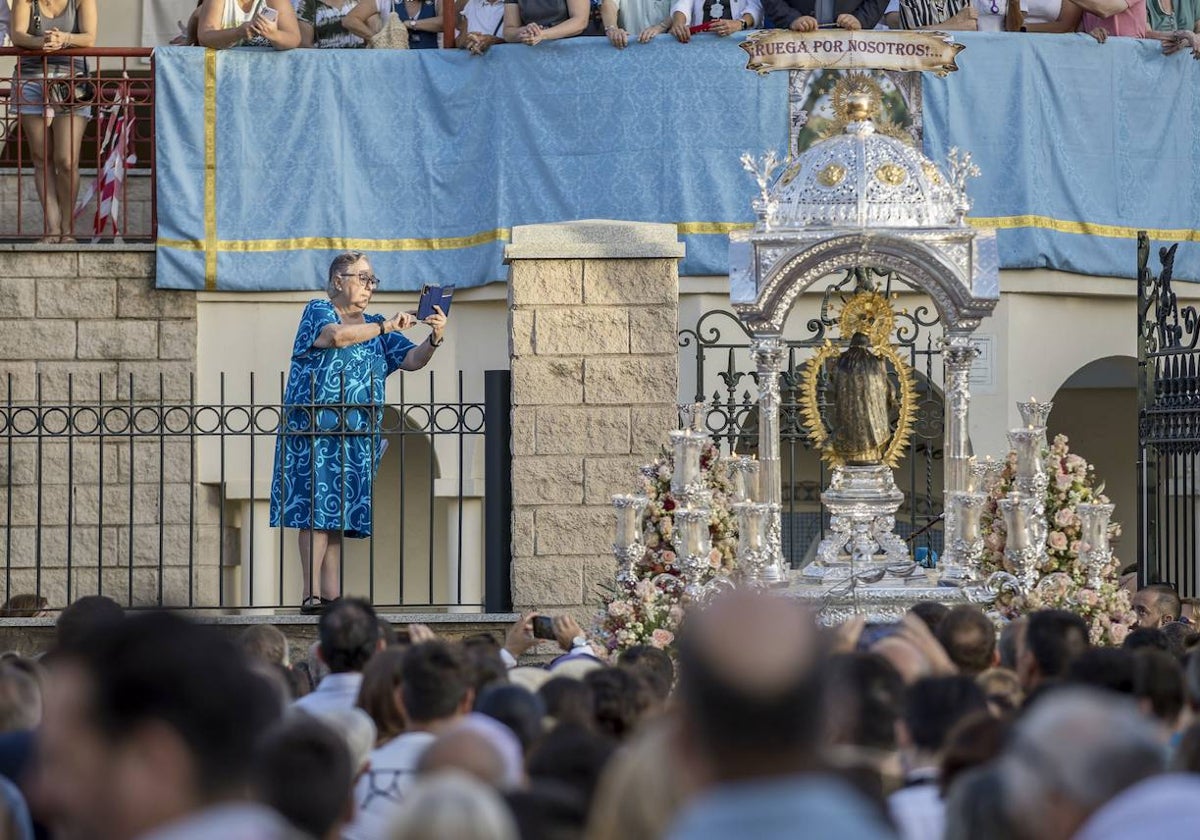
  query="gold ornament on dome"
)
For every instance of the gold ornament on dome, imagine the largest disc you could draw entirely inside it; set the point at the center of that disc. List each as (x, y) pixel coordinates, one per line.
(870, 314)
(855, 98)
(891, 174)
(931, 172)
(790, 173)
(832, 175)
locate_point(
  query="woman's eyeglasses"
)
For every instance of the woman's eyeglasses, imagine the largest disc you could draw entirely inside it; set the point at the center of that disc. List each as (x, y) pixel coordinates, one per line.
(368, 279)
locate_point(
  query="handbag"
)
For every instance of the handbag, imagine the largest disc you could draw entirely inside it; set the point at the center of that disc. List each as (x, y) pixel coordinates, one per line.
(393, 34)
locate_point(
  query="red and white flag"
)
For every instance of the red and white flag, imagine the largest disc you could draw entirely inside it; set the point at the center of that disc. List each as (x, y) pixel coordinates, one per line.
(116, 156)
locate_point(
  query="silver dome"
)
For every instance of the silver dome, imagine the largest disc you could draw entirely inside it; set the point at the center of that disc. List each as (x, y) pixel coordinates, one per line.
(862, 178)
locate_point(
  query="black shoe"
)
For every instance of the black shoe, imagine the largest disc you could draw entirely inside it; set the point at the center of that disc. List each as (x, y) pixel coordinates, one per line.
(312, 605)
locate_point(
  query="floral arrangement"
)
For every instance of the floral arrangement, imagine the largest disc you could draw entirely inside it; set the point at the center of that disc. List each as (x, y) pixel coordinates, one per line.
(1063, 580)
(646, 606)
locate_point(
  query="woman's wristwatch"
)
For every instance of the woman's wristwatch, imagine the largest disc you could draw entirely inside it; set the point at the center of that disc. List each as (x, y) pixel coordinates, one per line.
(382, 330)
(435, 344)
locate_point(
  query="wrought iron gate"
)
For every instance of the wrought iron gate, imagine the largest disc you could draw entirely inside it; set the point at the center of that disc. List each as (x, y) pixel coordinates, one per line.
(727, 384)
(1168, 427)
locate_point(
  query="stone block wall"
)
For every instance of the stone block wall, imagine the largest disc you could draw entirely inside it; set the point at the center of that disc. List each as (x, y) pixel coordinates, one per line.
(85, 334)
(593, 313)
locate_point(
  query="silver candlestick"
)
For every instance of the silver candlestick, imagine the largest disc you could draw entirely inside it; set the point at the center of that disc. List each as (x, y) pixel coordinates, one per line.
(693, 545)
(986, 475)
(1023, 551)
(1035, 414)
(628, 545)
(1095, 551)
(752, 542)
(964, 537)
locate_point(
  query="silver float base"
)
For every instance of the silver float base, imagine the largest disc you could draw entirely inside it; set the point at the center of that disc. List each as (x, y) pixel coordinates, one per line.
(862, 502)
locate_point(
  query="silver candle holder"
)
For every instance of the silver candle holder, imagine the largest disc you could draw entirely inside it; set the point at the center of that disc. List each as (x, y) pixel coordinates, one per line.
(628, 543)
(745, 473)
(687, 478)
(753, 557)
(964, 536)
(1095, 550)
(693, 545)
(1022, 549)
(986, 475)
(1034, 414)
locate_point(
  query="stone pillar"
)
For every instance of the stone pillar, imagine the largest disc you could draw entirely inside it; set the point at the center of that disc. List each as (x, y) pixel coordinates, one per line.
(593, 316)
(958, 353)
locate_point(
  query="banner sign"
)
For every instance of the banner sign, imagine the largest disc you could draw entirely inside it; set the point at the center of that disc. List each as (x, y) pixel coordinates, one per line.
(841, 49)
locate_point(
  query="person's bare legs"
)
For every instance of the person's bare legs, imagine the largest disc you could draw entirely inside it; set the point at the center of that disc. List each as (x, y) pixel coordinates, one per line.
(37, 131)
(312, 544)
(67, 138)
(331, 569)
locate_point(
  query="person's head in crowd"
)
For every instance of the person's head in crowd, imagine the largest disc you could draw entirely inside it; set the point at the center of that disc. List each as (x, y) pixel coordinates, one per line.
(931, 612)
(529, 677)
(302, 676)
(575, 667)
(573, 756)
(969, 637)
(1191, 682)
(151, 721)
(467, 751)
(1111, 669)
(973, 742)
(25, 606)
(1052, 639)
(453, 805)
(1180, 638)
(1141, 638)
(976, 807)
(84, 618)
(296, 681)
(569, 702)
(387, 633)
(1187, 753)
(749, 710)
(655, 666)
(487, 668)
(20, 698)
(503, 742)
(357, 731)
(304, 771)
(932, 708)
(908, 660)
(863, 698)
(520, 710)
(274, 676)
(436, 686)
(379, 694)
(265, 643)
(641, 790)
(349, 635)
(1158, 687)
(1002, 688)
(549, 810)
(1009, 643)
(483, 640)
(1156, 605)
(1069, 754)
(620, 699)
(1164, 805)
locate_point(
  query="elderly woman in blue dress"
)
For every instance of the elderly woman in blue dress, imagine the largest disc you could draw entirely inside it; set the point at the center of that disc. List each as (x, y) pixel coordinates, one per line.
(325, 458)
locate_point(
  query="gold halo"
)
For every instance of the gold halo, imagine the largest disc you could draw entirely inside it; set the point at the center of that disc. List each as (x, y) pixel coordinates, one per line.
(856, 83)
(868, 313)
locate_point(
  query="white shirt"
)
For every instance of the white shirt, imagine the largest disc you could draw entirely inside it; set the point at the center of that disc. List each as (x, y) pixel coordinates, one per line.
(990, 21)
(694, 10)
(233, 821)
(336, 691)
(918, 810)
(1041, 11)
(486, 18)
(380, 791)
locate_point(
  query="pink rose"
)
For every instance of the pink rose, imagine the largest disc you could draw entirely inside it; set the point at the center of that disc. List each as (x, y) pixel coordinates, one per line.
(661, 638)
(1058, 541)
(619, 609)
(1064, 481)
(1064, 518)
(1117, 632)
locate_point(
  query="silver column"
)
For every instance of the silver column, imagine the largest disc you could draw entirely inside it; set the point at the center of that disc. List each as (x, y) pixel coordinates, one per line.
(958, 353)
(768, 352)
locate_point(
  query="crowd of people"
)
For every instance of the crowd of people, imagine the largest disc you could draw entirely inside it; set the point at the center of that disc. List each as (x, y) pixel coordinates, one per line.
(761, 723)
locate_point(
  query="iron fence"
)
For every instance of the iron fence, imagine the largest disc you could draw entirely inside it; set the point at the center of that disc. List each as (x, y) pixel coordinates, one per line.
(1168, 427)
(159, 503)
(727, 384)
(114, 198)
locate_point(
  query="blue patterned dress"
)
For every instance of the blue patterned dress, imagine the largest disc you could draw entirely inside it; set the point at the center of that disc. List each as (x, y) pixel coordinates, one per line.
(323, 480)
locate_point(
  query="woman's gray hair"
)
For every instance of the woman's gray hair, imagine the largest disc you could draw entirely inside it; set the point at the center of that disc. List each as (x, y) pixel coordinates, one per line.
(340, 263)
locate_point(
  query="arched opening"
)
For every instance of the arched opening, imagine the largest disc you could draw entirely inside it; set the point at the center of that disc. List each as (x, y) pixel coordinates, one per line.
(1096, 408)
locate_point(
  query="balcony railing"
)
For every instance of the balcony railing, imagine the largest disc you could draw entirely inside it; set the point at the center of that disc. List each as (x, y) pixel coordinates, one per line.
(115, 199)
(160, 503)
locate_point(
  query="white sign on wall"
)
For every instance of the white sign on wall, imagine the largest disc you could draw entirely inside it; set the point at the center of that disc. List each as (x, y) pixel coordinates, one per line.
(983, 370)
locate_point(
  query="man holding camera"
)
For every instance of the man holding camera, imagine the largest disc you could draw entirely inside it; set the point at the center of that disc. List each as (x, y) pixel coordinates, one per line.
(531, 627)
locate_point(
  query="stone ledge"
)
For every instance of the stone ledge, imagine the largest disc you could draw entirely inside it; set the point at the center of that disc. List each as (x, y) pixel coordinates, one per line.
(594, 239)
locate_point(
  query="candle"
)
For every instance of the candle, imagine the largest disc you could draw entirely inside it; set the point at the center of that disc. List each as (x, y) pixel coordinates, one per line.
(969, 517)
(751, 471)
(1016, 520)
(629, 520)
